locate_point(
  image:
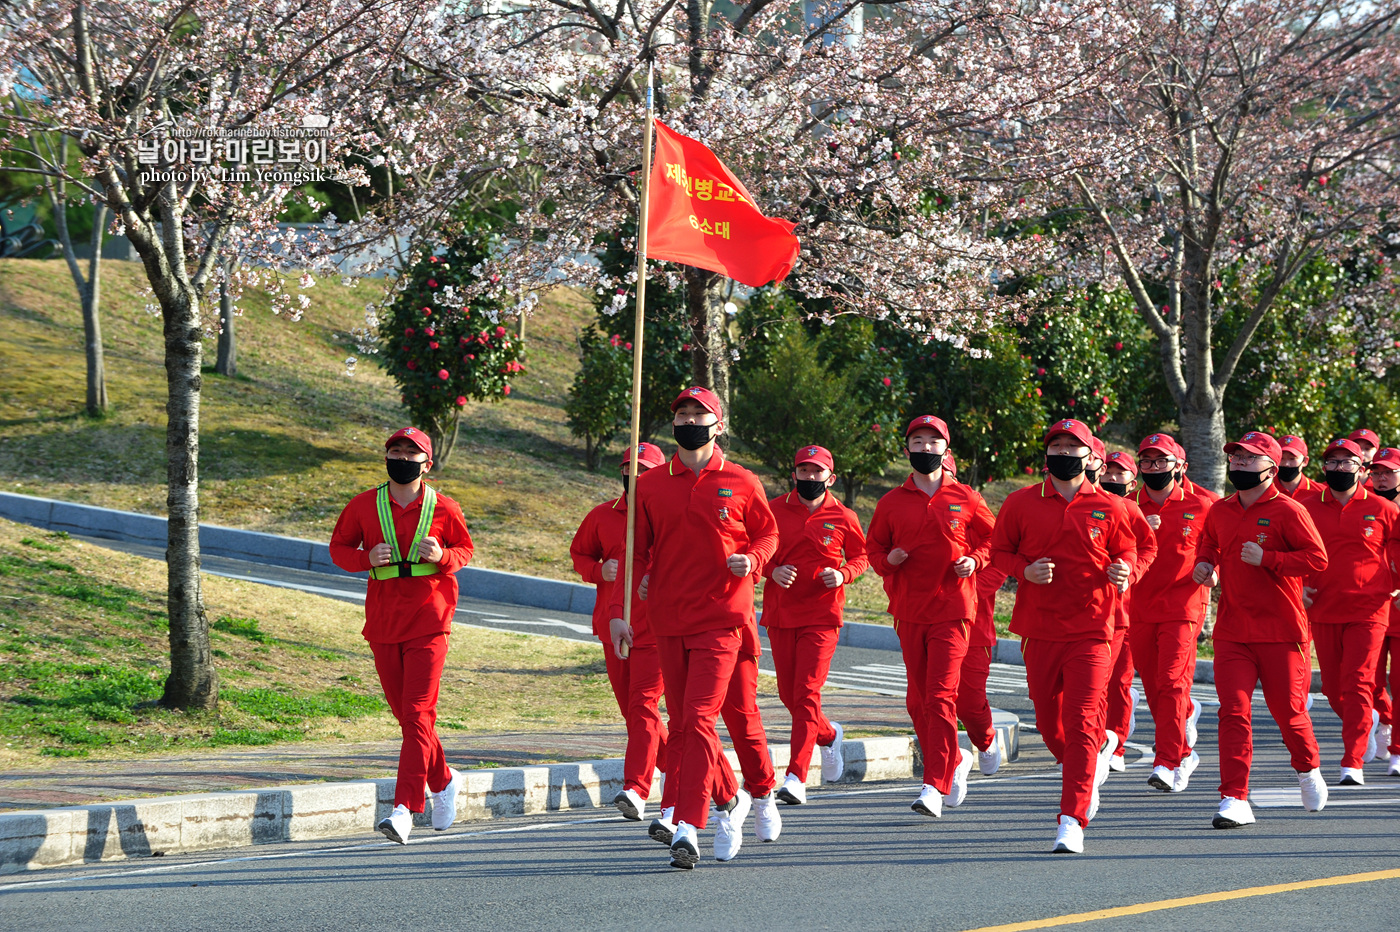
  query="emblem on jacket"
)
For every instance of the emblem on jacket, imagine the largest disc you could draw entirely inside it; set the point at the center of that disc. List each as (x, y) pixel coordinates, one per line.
(954, 523)
(724, 513)
(1369, 531)
(826, 541)
(1095, 533)
(1261, 538)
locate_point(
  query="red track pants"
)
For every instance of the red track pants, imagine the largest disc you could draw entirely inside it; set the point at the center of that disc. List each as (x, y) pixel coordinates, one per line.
(745, 727)
(636, 684)
(1068, 683)
(801, 658)
(933, 656)
(1284, 672)
(1165, 656)
(1390, 650)
(973, 709)
(697, 669)
(1347, 655)
(1120, 680)
(410, 672)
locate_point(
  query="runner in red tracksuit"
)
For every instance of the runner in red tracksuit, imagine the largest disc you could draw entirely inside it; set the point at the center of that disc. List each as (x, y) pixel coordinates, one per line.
(1117, 476)
(1349, 602)
(409, 605)
(705, 530)
(1261, 543)
(1290, 471)
(820, 551)
(1070, 546)
(1385, 482)
(927, 538)
(1168, 609)
(597, 551)
(1370, 445)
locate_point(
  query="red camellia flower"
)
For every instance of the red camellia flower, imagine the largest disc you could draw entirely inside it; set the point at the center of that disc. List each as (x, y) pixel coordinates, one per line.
(462, 341)
(500, 331)
(1118, 346)
(627, 346)
(427, 312)
(885, 381)
(875, 427)
(432, 283)
(1040, 371)
(408, 331)
(1037, 393)
(1030, 471)
(461, 401)
(470, 356)
(433, 345)
(429, 331)
(444, 374)
(1071, 402)
(434, 259)
(506, 390)
(412, 365)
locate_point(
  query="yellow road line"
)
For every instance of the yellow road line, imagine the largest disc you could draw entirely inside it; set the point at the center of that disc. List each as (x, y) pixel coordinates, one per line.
(1158, 905)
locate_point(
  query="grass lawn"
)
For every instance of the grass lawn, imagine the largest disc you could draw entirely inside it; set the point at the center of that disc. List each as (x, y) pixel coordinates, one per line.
(83, 657)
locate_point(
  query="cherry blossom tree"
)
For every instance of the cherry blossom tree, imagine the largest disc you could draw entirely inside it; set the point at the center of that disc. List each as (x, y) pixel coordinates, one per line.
(1239, 142)
(872, 126)
(132, 84)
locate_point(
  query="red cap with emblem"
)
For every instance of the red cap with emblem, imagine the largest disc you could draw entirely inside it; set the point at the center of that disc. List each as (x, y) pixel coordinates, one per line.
(1257, 443)
(703, 395)
(1343, 447)
(1160, 444)
(1121, 460)
(1362, 435)
(1097, 448)
(1387, 458)
(414, 436)
(814, 454)
(1296, 444)
(1076, 429)
(648, 454)
(930, 422)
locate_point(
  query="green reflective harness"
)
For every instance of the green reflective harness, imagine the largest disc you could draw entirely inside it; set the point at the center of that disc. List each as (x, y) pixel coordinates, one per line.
(401, 566)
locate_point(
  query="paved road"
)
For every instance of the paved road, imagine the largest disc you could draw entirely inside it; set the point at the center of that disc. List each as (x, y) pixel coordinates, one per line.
(848, 859)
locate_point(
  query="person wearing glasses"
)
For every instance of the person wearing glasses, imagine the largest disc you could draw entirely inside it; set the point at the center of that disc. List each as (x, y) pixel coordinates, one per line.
(1262, 544)
(1349, 601)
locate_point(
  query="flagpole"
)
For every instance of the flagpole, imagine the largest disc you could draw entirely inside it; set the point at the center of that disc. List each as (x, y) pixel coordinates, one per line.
(645, 189)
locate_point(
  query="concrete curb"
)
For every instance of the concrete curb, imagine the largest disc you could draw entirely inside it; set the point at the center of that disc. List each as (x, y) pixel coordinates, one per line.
(141, 828)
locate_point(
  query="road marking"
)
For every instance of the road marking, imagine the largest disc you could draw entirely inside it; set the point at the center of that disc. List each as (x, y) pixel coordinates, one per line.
(475, 611)
(1159, 905)
(1292, 797)
(304, 587)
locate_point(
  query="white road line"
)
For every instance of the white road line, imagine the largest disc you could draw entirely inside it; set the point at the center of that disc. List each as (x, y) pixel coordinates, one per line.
(281, 584)
(474, 611)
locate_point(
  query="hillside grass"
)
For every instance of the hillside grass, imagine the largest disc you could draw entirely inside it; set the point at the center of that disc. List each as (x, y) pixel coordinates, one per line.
(84, 655)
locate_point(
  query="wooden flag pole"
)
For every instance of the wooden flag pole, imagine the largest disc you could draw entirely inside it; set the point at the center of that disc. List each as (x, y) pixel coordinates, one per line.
(635, 436)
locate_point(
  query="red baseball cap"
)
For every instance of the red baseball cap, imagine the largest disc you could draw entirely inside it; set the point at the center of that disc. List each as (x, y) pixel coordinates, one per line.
(1362, 435)
(1097, 448)
(1344, 446)
(703, 395)
(1296, 444)
(950, 465)
(414, 436)
(648, 454)
(1163, 444)
(927, 421)
(1076, 429)
(1121, 460)
(1258, 443)
(814, 454)
(1387, 458)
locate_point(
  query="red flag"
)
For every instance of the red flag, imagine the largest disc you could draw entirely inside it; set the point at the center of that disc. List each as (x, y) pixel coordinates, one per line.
(701, 215)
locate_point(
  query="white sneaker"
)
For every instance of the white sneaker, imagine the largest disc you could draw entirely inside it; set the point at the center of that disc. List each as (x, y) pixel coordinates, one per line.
(1394, 766)
(685, 847)
(398, 825)
(1352, 776)
(929, 803)
(1163, 778)
(1382, 740)
(989, 761)
(1093, 812)
(729, 828)
(630, 804)
(1314, 790)
(1117, 764)
(1110, 744)
(767, 820)
(833, 757)
(1070, 838)
(958, 791)
(793, 792)
(663, 829)
(445, 802)
(1233, 813)
(1372, 745)
(1181, 777)
(1192, 733)
(1307, 703)
(1133, 697)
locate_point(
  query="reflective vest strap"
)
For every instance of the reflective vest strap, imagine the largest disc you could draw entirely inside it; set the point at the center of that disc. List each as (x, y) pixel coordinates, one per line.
(425, 521)
(400, 566)
(386, 521)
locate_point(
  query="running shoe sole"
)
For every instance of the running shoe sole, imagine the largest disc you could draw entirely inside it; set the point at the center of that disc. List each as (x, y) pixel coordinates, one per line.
(684, 858)
(624, 806)
(921, 809)
(386, 828)
(1157, 783)
(785, 797)
(659, 832)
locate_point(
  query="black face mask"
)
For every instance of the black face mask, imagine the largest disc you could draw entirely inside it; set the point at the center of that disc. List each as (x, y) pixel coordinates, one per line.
(403, 471)
(926, 463)
(1388, 493)
(1157, 481)
(811, 489)
(1092, 474)
(1246, 479)
(1063, 466)
(1289, 473)
(691, 436)
(1117, 488)
(1340, 481)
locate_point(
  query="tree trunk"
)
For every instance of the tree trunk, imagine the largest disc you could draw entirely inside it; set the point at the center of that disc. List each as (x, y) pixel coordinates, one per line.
(710, 357)
(1203, 436)
(444, 438)
(193, 682)
(227, 361)
(91, 297)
